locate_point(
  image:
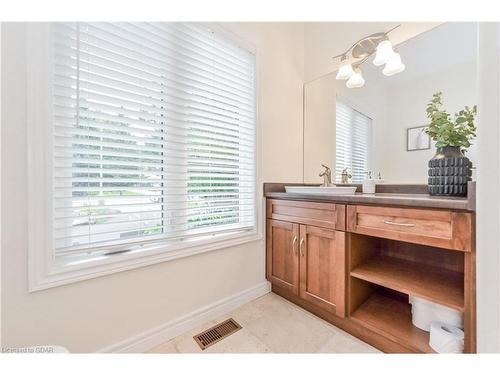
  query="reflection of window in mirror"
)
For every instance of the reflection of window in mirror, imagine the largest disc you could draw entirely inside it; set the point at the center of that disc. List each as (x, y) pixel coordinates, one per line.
(353, 139)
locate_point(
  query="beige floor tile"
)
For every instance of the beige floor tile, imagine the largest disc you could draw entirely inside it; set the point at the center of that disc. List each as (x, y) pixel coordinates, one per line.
(345, 343)
(290, 330)
(186, 344)
(239, 342)
(249, 312)
(265, 305)
(272, 324)
(166, 347)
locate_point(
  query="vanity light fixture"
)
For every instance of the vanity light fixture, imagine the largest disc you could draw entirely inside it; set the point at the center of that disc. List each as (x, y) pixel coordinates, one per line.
(384, 53)
(356, 80)
(378, 44)
(345, 70)
(393, 65)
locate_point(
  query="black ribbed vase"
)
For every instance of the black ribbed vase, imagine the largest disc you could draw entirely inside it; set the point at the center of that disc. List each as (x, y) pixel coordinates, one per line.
(449, 172)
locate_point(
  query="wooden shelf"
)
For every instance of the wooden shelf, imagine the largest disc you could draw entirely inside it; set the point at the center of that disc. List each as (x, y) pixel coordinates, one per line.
(391, 318)
(434, 284)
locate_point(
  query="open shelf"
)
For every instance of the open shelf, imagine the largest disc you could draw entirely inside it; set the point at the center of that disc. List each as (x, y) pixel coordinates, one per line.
(391, 317)
(434, 284)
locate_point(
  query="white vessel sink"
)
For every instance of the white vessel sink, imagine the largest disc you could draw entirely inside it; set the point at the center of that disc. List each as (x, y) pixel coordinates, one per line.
(320, 190)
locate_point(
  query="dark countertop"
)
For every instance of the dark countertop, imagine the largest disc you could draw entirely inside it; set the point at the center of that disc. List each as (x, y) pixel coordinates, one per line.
(411, 200)
(386, 198)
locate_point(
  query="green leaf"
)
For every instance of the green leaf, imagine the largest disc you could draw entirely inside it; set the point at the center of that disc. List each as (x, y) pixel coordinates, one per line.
(446, 131)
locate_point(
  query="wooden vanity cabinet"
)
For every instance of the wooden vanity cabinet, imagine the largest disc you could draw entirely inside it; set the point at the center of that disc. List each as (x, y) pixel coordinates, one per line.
(322, 268)
(282, 255)
(439, 228)
(308, 260)
(355, 266)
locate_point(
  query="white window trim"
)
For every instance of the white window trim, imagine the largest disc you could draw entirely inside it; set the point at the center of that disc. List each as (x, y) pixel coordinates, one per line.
(43, 273)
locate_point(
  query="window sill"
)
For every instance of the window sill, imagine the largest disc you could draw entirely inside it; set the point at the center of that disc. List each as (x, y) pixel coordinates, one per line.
(74, 272)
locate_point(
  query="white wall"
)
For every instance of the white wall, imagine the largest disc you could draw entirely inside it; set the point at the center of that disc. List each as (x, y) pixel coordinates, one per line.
(319, 133)
(488, 186)
(1, 299)
(406, 104)
(281, 59)
(90, 315)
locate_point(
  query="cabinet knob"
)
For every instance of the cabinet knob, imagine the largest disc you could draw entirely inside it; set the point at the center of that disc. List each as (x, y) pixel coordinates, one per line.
(301, 246)
(294, 248)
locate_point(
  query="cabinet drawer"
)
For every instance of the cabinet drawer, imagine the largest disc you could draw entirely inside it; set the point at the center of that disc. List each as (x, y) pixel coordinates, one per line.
(325, 215)
(440, 228)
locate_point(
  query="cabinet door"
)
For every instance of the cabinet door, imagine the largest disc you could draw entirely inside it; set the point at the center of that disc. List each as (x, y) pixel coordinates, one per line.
(282, 254)
(322, 268)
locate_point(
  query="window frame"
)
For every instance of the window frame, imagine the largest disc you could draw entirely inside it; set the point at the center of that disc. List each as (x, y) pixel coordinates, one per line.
(43, 270)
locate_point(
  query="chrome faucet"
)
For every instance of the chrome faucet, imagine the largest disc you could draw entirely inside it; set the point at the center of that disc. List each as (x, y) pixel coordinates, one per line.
(327, 176)
(345, 176)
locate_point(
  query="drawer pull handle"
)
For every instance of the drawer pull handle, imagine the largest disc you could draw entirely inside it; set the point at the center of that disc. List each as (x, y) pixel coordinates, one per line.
(301, 246)
(294, 248)
(399, 224)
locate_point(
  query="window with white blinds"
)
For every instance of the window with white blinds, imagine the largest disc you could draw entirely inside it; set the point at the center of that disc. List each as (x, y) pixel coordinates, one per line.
(154, 135)
(353, 138)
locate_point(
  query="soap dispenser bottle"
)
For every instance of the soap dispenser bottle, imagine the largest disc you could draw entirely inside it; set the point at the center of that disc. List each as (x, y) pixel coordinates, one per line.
(368, 185)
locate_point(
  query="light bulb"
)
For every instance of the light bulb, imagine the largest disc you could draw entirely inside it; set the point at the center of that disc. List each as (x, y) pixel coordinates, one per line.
(393, 65)
(356, 80)
(345, 70)
(384, 52)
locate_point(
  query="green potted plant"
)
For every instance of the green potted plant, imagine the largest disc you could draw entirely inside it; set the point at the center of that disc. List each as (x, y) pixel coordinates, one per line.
(450, 169)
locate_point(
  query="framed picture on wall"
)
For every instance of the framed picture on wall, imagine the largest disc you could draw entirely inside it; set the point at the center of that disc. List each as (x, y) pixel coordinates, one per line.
(416, 139)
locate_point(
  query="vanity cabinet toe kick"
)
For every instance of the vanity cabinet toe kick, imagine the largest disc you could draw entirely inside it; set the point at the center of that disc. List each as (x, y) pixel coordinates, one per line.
(330, 259)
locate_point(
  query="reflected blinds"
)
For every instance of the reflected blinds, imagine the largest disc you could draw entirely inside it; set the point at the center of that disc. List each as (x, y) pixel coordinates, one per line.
(353, 137)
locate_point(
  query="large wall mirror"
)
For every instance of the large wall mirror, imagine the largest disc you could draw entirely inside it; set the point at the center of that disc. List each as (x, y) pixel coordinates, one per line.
(379, 127)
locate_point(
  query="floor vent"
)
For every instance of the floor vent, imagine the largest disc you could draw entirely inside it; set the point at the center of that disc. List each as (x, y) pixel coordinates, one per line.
(216, 333)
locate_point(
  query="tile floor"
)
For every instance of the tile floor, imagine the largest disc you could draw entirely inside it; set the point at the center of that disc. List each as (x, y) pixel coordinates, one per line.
(271, 324)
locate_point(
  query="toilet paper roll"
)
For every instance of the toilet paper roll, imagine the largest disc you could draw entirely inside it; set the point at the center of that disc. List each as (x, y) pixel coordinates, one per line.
(424, 312)
(445, 338)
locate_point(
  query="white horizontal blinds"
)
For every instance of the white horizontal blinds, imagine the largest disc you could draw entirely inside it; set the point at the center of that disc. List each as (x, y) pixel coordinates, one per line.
(353, 137)
(154, 134)
(221, 183)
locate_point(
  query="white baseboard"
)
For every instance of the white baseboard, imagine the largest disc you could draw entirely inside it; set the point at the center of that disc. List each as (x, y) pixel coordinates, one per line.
(153, 337)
